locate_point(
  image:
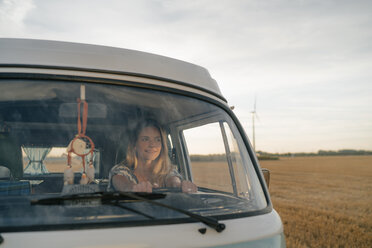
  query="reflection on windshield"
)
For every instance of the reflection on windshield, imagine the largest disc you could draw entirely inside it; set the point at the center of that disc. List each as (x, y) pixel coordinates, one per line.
(53, 145)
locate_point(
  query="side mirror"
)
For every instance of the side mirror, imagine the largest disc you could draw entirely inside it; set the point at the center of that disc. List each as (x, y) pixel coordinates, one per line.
(266, 174)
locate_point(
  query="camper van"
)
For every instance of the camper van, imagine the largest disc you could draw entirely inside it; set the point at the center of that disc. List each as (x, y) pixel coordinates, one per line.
(79, 167)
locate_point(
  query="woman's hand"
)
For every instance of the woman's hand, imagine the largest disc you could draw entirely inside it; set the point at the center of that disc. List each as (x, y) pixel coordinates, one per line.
(173, 182)
(188, 187)
(145, 186)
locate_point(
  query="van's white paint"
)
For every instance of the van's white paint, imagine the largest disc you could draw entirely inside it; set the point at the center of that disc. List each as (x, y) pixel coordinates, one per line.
(180, 235)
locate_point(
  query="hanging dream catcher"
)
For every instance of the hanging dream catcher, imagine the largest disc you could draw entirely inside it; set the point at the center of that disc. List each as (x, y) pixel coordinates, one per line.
(81, 145)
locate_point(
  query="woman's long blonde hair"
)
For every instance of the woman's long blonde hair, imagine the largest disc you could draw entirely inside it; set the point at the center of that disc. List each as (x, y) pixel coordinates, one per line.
(162, 164)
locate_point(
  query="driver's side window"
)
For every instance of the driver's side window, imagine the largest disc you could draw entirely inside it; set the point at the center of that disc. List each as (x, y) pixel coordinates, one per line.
(208, 161)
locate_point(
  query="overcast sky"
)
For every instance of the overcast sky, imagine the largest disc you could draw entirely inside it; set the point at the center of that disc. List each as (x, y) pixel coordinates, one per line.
(307, 63)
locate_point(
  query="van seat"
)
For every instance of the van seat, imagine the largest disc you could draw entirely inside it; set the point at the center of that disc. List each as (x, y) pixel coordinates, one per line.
(5, 173)
(15, 188)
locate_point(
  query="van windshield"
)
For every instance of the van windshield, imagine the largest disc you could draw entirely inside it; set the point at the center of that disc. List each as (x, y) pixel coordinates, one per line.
(67, 138)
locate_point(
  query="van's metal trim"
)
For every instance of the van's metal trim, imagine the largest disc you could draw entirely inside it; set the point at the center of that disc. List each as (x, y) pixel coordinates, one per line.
(107, 72)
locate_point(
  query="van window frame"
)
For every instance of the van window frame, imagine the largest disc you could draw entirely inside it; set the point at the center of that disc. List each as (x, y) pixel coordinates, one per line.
(204, 95)
(184, 156)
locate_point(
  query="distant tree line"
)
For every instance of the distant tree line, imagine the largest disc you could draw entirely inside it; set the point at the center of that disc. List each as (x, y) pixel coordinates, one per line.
(264, 155)
(343, 152)
(275, 156)
(223, 158)
(208, 157)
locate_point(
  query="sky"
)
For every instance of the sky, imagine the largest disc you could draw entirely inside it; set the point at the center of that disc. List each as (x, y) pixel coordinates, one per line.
(306, 64)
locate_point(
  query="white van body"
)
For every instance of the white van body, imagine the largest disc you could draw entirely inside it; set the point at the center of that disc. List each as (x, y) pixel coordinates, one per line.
(40, 82)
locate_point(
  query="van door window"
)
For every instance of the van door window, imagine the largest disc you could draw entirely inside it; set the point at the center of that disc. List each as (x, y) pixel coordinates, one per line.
(208, 158)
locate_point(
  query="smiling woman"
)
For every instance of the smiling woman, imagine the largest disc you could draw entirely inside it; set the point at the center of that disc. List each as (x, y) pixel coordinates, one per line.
(147, 165)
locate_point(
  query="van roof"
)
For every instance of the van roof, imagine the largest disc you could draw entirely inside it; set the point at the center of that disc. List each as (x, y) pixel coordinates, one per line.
(78, 56)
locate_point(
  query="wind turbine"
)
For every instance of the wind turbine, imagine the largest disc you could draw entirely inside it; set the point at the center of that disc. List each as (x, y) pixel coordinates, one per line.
(254, 115)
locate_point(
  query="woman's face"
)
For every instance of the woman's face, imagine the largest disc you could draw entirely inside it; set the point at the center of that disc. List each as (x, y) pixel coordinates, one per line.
(148, 145)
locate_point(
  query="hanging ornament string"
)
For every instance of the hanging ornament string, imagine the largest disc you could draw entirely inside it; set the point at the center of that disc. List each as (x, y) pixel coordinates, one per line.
(78, 144)
(85, 116)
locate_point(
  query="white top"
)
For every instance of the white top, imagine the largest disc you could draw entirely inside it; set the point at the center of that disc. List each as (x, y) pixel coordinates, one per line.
(30, 52)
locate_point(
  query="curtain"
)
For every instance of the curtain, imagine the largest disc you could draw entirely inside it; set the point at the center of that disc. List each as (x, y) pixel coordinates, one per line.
(36, 155)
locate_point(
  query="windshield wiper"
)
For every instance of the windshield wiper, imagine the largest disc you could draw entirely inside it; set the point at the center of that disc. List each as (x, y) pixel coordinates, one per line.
(104, 197)
(211, 222)
(99, 198)
(114, 198)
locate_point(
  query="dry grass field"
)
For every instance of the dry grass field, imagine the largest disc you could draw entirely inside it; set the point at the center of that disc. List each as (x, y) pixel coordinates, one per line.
(323, 201)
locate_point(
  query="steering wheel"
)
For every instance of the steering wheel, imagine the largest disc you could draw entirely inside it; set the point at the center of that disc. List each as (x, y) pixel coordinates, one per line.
(167, 190)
